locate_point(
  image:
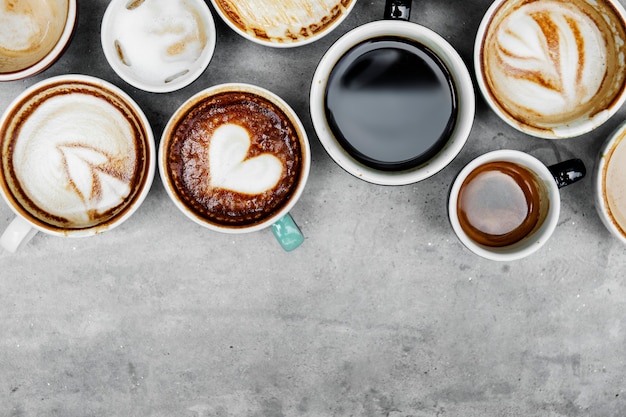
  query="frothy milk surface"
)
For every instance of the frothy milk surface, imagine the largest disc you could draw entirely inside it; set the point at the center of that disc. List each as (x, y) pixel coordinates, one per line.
(29, 29)
(283, 21)
(75, 158)
(547, 62)
(615, 185)
(158, 40)
(234, 158)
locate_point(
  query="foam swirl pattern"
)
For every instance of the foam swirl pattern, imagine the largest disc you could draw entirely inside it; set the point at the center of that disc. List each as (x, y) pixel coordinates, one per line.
(550, 62)
(75, 159)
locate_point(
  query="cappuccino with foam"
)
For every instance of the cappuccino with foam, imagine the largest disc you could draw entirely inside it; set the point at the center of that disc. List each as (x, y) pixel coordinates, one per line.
(234, 157)
(76, 155)
(283, 24)
(552, 68)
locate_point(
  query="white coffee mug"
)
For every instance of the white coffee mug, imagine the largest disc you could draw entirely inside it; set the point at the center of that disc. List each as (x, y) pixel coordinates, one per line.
(610, 183)
(423, 41)
(159, 45)
(532, 183)
(552, 69)
(34, 34)
(78, 159)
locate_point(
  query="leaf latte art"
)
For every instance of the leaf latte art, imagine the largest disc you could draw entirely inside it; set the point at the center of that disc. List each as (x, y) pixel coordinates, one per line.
(75, 159)
(551, 62)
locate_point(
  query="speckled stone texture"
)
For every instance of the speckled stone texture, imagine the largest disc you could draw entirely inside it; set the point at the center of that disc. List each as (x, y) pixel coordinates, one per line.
(380, 313)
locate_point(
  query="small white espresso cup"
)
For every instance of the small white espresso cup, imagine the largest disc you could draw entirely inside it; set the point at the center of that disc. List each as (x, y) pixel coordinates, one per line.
(159, 45)
(610, 183)
(505, 204)
(34, 34)
(235, 158)
(378, 127)
(552, 69)
(78, 159)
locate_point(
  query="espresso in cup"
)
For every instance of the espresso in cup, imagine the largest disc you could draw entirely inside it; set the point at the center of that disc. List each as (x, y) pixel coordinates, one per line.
(501, 202)
(234, 158)
(283, 24)
(552, 68)
(505, 204)
(33, 34)
(77, 155)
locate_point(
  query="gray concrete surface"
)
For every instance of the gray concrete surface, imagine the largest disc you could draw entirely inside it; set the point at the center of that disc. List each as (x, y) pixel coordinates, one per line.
(382, 312)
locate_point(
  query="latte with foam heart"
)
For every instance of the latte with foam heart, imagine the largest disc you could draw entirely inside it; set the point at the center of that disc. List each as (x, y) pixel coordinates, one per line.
(76, 154)
(233, 157)
(285, 23)
(551, 67)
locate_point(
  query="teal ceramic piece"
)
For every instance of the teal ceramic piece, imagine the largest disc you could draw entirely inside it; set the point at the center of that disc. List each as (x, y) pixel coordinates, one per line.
(287, 233)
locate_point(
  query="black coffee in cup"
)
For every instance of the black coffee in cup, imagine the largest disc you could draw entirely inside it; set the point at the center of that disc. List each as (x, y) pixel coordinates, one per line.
(391, 103)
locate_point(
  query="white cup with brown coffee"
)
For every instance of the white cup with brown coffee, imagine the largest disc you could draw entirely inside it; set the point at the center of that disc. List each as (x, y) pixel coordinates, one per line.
(78, 159)
(505, 204)
(610, 183)
(158, 45)
(33, 35)
(391, 101)
(552, 69)
(283, 24)
(235, 158)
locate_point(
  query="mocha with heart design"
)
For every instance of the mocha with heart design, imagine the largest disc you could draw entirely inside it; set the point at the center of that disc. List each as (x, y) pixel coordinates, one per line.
(234, 159)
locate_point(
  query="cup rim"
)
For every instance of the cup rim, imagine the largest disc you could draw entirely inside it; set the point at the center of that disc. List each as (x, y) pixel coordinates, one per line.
(133, 206)
(200, 65)
(571, 130)
(234, 87)
(54, 53)
(526, 246)
(282, 45)
(601, 163)
(462, 81)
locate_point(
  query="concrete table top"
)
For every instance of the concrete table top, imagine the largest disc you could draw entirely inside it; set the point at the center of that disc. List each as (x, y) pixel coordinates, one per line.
(381, 312)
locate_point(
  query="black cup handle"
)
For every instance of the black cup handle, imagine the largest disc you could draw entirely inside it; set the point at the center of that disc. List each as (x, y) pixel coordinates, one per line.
(568, 172)
(398, 9)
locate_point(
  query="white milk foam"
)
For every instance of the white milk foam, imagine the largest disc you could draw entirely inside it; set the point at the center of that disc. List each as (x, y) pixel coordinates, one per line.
(543, 80)
(615, 184)
(159, 39)
(276, 18)
(75, 157)
(232, 170)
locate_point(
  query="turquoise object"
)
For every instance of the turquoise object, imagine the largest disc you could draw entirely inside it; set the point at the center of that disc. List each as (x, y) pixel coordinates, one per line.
(287, 233)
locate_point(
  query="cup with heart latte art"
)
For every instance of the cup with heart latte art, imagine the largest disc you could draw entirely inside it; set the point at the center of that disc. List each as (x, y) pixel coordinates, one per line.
(552, 68)
(235, 158)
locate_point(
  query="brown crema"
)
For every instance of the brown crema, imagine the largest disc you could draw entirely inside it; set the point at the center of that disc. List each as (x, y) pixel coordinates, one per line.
(187, 160)
(500, 203)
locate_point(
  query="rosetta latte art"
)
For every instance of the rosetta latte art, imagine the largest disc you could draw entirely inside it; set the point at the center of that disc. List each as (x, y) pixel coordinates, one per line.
(75, 158)
(547, 62)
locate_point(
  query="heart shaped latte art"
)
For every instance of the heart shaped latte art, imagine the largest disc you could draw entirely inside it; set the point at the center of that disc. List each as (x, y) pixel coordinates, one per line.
(231, 169)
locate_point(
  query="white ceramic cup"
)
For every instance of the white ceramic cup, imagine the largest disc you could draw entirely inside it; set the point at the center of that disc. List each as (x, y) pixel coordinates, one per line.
(158, 45)
(78, 159)
(610, 183)
(552, 69)
(235, 160)
(283, 24)
(33, 35)
(548, 180)
(399, 29)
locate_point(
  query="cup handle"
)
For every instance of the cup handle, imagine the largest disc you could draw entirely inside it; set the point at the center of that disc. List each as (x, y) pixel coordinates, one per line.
(17, 234)
(287, 233)
(398, 9)
(568, 172)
